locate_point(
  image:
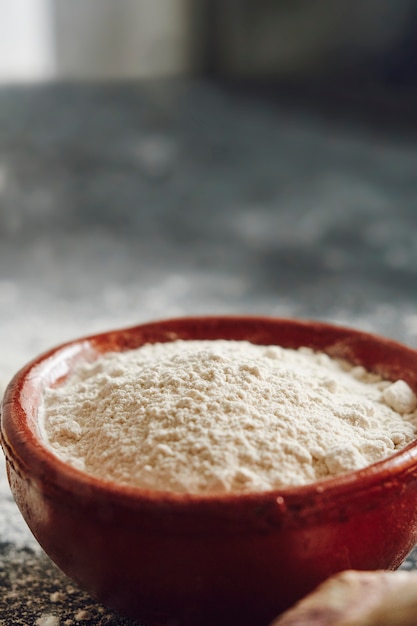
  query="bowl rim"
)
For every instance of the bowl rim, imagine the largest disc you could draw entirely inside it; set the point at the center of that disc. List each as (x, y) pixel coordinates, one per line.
(31, 458)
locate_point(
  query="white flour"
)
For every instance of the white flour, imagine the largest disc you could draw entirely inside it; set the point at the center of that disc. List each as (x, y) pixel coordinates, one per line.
(223, 416)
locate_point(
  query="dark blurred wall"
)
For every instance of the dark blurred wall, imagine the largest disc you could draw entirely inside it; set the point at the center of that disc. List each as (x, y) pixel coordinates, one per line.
(297, 38)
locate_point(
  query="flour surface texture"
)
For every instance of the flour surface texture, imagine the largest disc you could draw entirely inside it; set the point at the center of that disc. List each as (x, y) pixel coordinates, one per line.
(224, 416)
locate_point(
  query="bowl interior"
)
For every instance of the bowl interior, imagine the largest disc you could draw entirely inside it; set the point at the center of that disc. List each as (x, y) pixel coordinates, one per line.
(22, 435)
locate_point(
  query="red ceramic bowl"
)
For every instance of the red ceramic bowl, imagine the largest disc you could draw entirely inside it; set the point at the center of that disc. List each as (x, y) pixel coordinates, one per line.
(229, 559)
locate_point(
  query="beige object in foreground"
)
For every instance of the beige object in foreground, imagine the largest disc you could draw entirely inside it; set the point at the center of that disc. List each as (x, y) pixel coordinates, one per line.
(224, 416)
(358, 599)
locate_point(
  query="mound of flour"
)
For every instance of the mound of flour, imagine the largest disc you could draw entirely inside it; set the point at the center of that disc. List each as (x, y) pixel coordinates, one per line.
(224, 416)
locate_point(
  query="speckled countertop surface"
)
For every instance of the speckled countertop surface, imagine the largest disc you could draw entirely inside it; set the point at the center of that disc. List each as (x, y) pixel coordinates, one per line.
(126, 203)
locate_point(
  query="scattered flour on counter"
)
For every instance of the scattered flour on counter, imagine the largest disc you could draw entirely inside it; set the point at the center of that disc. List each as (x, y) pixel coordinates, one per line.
(47, 619)
(224, 416)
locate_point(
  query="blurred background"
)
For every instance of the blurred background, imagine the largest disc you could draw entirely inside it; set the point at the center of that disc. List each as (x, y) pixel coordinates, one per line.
(101, 39)
(176, 157)
(171, 157)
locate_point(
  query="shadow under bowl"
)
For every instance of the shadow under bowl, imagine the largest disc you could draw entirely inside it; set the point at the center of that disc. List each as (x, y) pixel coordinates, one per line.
(216, 559)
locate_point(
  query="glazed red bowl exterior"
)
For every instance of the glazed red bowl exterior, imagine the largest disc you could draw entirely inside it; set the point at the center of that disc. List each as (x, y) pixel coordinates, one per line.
(190, 560)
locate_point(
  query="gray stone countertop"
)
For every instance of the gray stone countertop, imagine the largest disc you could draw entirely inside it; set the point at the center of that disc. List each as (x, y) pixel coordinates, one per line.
(125, 203)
